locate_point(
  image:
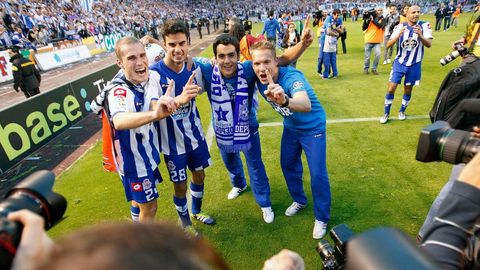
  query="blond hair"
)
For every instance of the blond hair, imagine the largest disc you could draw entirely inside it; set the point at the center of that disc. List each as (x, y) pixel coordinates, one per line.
(124, 41)
(264, 45)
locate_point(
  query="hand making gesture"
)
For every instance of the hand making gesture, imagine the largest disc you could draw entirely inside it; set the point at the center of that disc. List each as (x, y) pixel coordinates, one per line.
(166, 104)
(274, 92)
(190, 90)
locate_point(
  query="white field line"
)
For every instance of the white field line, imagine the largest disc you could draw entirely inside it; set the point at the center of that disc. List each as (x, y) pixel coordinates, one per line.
(211, 134)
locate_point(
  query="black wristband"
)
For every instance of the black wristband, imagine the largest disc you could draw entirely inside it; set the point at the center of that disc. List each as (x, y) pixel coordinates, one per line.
(287, 101)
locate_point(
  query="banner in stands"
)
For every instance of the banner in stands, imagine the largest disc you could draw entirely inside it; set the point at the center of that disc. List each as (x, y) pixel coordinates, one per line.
(58, 58)
(108, 41)
(6, 73)
(27, 126)
(94, 47)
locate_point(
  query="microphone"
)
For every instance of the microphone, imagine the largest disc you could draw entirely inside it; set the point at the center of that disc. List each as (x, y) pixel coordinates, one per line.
(470, 105)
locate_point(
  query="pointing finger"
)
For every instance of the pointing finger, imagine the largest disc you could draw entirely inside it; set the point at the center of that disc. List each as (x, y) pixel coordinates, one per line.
(190, 80)
(168, 93)
(307, 22)
(269, 77)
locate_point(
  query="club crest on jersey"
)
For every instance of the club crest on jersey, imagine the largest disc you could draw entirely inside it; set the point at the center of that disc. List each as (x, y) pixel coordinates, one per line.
(182, 112)
(147, 184)
(409, 44)
(297, 85)
(171, 166)
(137, 186)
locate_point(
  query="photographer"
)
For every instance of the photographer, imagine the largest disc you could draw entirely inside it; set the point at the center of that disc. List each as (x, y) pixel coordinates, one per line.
(447, 239)
(469, 61)
(391, 21)
(372, 27)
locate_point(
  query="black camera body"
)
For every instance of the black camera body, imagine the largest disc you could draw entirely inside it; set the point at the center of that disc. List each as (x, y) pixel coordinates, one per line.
(368, 14)
(33, 193)
(378, 248)
(334, 257)
(247, 24)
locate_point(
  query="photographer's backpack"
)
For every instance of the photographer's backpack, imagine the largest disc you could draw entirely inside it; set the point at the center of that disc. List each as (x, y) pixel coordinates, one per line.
(461, 83)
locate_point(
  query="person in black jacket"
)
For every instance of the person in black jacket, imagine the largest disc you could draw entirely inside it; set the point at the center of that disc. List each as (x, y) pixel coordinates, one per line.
(457, 221)
(439, 14)
(25, 75)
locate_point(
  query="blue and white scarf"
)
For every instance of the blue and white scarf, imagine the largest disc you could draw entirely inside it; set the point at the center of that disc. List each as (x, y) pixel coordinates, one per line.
(230, 121)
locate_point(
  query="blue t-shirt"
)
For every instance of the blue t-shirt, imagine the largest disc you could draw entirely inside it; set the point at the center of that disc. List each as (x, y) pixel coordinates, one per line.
(231, 84)
(293, 81)
(329, 21)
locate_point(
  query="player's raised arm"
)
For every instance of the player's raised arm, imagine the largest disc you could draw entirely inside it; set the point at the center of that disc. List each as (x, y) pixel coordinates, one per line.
(296, 51)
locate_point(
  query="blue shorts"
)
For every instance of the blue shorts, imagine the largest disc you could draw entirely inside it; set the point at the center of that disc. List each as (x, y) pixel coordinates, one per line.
(196, 160)
(143, 189)
(412, 73)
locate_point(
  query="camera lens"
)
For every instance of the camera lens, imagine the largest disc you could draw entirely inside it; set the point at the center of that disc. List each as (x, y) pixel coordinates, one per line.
(458, 146)
(35, 193)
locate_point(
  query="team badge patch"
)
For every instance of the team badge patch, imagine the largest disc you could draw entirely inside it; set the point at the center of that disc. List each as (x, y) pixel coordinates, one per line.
(147, 184)
(409, 44)
(171, 166)
(297, 85)
(137, 186)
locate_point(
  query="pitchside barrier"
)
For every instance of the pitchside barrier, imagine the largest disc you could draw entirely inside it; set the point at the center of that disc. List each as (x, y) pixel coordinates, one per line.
(27, 126)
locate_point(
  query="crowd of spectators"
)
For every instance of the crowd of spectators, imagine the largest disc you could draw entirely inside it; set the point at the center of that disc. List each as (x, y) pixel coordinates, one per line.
(33, 23)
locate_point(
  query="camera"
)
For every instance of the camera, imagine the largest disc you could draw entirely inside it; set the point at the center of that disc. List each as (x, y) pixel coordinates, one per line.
(377, 248)
(247, 24)
(33, 193)
(367, 14)
(439, 141)
(460, 50)
(334, 257)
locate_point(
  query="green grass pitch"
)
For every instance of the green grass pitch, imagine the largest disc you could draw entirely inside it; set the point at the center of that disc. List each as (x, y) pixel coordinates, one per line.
(375, 179)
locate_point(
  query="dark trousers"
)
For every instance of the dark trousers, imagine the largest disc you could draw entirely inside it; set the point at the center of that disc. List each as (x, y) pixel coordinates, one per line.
(438, 24)
(343, 37)
(31, 93)
(446, 23)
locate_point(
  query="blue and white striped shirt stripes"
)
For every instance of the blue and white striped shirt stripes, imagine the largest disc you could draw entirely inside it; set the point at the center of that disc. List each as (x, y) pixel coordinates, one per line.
(410, 49)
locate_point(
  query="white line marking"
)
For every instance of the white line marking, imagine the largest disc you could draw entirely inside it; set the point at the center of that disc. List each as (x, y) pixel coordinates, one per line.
(211, 134)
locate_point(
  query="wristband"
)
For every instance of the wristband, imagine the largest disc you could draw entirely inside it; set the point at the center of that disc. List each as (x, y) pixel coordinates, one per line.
(287, 101)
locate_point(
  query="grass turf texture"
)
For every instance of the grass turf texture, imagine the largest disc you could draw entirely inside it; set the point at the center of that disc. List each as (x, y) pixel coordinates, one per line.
(374, 177)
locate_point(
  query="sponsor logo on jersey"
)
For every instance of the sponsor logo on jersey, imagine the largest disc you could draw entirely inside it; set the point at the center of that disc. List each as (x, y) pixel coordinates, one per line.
(137, 186)
(120, 92)
(182, 112)
(146, 184)
(282, 111)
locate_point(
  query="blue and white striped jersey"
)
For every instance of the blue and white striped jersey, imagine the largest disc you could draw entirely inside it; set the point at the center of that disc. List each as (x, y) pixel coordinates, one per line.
(182, 131)
(410, 49)
(136, 150)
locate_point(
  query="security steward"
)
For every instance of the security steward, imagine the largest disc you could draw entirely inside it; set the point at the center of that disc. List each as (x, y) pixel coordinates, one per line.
(25, 74)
